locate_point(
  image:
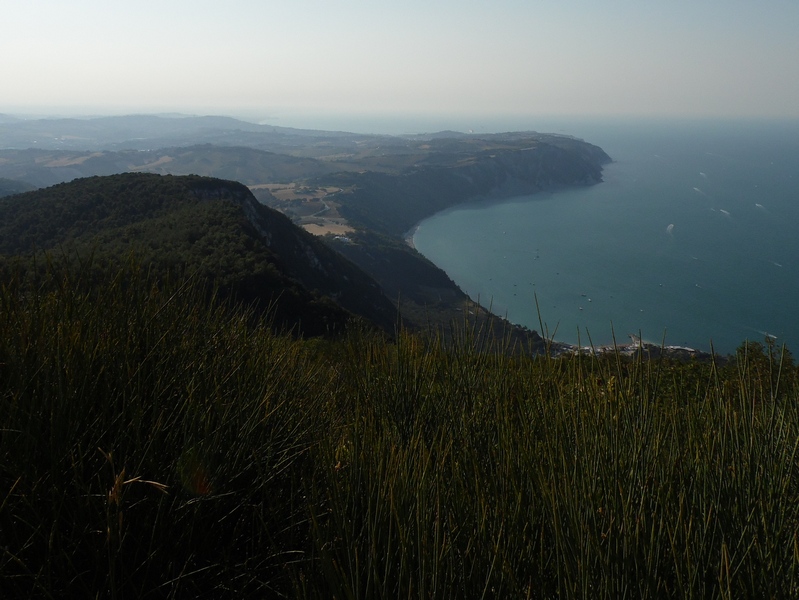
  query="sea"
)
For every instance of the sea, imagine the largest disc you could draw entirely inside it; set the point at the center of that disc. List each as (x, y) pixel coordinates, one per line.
(691, 240)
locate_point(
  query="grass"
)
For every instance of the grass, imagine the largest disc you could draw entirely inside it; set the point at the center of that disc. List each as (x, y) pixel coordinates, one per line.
(150, 442)
(154, 443)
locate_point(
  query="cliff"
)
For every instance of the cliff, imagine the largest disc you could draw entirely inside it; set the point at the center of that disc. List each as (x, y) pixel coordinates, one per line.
(392, 204)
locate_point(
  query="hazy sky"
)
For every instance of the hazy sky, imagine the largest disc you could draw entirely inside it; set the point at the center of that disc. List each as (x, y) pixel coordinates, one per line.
(266, 58)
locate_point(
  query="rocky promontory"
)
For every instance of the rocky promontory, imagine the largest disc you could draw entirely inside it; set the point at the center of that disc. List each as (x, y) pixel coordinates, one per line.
(392, 203)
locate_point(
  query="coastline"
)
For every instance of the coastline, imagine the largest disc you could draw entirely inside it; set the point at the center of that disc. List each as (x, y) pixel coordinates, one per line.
(408, 235)
(513, 187)
(634, 347)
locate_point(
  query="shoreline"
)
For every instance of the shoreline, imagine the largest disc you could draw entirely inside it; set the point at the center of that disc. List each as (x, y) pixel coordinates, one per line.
(508, 191)
(408, 236)
(631, 348)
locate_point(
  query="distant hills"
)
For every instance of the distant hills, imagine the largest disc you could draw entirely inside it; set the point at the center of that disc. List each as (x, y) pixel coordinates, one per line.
(42, 168)
(147, 132)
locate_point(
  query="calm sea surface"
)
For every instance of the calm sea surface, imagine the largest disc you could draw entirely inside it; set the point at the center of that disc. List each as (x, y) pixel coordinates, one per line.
(693, 238)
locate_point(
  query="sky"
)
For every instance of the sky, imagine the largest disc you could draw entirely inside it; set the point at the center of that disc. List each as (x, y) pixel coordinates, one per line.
(263, 59)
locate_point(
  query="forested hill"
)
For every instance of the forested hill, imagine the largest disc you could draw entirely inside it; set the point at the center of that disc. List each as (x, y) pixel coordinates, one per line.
(462, 169)
(209, 228)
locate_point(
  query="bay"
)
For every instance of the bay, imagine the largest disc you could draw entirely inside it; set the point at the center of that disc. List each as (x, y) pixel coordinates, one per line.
(692, 239)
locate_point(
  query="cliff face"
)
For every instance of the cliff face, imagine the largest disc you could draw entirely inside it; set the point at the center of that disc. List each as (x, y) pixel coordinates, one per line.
(533, 169)
(316, 266)
(392, 204)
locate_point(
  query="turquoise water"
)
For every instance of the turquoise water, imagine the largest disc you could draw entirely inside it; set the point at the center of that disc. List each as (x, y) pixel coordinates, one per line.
(693, 238)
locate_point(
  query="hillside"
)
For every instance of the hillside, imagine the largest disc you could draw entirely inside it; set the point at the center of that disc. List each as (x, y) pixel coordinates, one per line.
(157, 440)
(9, 187)
(392, 203)
(210, 229)
(154, 445)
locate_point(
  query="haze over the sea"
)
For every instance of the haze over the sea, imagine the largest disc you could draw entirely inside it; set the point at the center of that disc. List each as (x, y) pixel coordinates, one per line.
(277, 61)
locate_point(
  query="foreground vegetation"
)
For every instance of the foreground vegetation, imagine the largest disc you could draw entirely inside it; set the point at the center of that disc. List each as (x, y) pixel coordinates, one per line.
(154, 443)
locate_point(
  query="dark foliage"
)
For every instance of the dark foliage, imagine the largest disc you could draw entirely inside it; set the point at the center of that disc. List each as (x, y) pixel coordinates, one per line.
(212, 230)
(392, 204)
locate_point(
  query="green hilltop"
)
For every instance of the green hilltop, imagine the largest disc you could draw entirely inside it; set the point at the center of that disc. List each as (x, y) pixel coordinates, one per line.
(209, 229)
